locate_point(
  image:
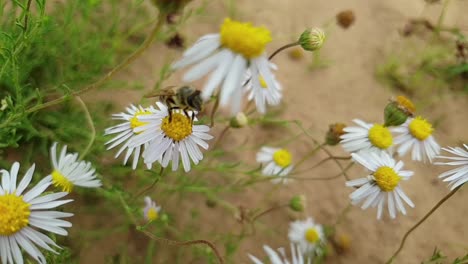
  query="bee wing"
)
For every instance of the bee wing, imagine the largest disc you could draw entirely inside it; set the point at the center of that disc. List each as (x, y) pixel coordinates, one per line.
(166, 91)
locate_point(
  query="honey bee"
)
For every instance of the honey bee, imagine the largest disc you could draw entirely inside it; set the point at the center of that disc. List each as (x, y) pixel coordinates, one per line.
(184, 98)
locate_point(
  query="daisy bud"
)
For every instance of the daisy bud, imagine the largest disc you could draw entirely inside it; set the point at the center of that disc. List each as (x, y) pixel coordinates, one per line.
(312, 39)
(240, 120)
(345, 18)
(397, 111)
(297, 203)
(334, 134)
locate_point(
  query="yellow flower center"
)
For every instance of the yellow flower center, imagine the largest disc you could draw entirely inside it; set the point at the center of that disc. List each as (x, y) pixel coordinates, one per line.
(312, 236)
(282, 158)
(179, 128)
(406, 104)
(60, 181)
(380, 136)
(244, 38)
(152, 214)
(262, 81)
(14, 214)
(420, 128)
(386, 178)
(135, 122)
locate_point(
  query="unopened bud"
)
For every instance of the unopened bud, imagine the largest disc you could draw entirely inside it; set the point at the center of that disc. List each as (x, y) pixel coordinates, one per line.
(240, 120)
(397, 111)
(297, 203)
(345, 18)
(164, 218)
(312, 39)
(335, 131)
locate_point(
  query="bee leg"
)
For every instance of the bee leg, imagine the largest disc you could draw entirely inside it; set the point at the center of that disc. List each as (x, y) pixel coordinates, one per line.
(193, 117)
(186, 113)
(171, 109)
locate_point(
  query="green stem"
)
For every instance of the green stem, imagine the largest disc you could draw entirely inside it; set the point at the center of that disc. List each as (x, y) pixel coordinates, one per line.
(111, 73)
(402, 243)
(185, 243)
(296, 43)
(89, 119)
(442, 16)
(308, 155)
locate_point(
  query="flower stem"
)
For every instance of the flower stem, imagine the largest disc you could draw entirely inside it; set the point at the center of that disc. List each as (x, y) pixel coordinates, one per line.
(111, 73)
(185, 243)
(287, 46)
(402, 243)
(310, 154)
(26, 15)
(89, 119)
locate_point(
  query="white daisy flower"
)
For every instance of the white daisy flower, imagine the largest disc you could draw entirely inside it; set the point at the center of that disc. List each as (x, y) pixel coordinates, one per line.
(125, 131)
(276, 162)
(307, 235)
(260, 92)
(69, 171)
(382, 184)
(151, 210)
(23, 214)
(416, 133)
(167, 140)
(458, 176)
(366, 137)
(229, 54)
(275, 258)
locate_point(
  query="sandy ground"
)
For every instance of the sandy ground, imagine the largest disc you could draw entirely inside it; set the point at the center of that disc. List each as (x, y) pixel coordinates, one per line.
(344, 90)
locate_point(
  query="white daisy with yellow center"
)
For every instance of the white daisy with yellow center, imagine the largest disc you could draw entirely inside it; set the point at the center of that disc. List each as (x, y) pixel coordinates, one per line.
(281, 258)
(382, 185)
(260, 92)
(457, 176)
(307, 235)
(151, 210)
(168, 139)
(23, 213)
(276, 162)
(416, 135)
(69, 171)
(238, 47)
(366, 137)
(125, 131)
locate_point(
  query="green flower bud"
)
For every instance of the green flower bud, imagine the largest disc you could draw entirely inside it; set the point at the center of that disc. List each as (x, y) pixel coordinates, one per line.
(312, 39)
(297, 203)
(240, 120)
(335, 131)
(397, 111)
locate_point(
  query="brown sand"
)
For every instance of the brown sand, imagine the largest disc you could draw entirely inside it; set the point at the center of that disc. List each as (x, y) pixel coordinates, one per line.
(344, 90)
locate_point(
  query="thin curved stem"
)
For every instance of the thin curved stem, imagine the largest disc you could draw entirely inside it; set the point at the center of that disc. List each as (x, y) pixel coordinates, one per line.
(287, 46)
(403, 240)
(89, 119)
(185, 243)
(269, 210)
(221, 135)
(213, 111)
(110, 74)
(308, 155)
